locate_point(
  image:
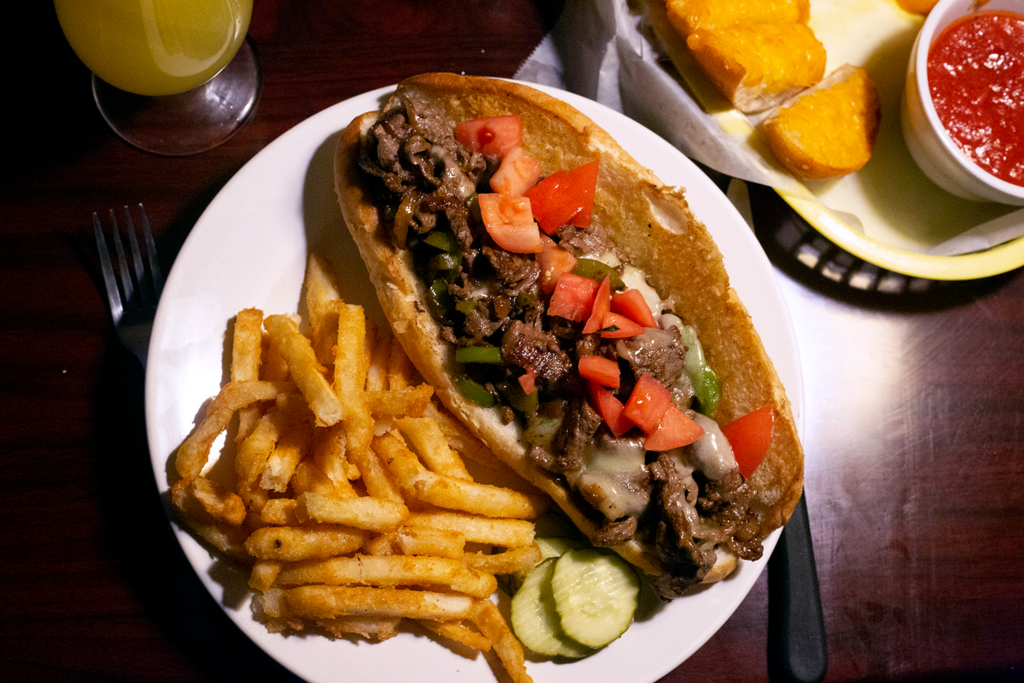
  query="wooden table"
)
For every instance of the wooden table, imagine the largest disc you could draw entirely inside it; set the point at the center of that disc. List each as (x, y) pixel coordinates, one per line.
(915, 389)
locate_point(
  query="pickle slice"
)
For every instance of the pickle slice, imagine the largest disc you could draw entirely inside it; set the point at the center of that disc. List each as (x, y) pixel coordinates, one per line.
(596, 595)
(535, 619)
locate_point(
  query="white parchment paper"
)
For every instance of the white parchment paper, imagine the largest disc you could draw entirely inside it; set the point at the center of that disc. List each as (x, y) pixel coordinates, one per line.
(602, 50)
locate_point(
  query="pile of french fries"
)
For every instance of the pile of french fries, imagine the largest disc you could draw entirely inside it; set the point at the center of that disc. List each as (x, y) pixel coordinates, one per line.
(350, 498)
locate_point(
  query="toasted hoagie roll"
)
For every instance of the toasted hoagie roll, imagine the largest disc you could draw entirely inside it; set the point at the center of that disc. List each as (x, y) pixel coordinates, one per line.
(668, 493)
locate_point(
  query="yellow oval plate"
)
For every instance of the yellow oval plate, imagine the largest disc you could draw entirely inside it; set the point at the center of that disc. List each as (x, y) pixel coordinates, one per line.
(888, 213)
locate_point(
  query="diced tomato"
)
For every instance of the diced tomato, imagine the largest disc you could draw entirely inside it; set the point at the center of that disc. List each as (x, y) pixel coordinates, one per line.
(517, 174)
(675, 431)
(553, 261)
(494, 136)
(616, 326)
(563, 195)
(600, 370)
(631, 303)
(528, 382)
(609, 408)
(750, 436)
(647, 403)
(509, 222)
(602, 305)
(573, 297)
(586, 182)
(516, 238)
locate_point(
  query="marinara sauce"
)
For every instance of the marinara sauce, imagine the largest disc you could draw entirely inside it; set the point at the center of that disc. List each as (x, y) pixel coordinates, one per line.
(976, 79)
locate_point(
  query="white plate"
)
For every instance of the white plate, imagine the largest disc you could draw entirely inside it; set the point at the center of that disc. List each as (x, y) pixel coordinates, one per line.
(249, 248)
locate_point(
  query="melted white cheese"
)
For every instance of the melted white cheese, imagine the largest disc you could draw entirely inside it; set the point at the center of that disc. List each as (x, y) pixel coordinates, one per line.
(612, 476)
(712, 452)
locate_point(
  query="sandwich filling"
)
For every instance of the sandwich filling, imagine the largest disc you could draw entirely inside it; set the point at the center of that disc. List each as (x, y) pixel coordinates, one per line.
(606, 381)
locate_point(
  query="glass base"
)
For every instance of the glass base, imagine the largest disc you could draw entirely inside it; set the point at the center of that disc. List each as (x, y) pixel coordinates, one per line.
(189, 122)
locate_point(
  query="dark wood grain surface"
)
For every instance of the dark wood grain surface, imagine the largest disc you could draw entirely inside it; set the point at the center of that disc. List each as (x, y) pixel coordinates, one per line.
(914, 426)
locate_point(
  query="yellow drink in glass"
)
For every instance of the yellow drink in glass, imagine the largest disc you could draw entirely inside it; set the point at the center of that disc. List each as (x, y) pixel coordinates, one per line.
(154, 47)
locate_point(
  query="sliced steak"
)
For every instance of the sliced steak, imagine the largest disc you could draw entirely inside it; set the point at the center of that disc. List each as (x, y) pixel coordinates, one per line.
(532, 348)
(570, 444)
(515, 272)
(655, 352)
(725, 503)
(612, 533)
(581, 241)
(688, 564)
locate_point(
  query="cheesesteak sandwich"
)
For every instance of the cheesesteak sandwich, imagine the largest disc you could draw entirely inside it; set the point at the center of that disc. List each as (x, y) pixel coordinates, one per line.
(572, 312)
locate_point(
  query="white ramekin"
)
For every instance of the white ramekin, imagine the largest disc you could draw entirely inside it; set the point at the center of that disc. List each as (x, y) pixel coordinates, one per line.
(926, 138)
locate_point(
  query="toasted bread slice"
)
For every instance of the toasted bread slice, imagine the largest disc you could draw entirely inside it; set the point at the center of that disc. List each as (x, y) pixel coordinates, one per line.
(757, 66)
(689, 15)
(829, 130)
(917, 6)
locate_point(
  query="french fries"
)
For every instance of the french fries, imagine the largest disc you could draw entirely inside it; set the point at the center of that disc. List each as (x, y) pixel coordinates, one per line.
(352, 504)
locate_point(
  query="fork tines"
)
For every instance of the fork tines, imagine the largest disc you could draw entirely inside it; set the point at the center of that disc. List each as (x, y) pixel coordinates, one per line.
(127, 289)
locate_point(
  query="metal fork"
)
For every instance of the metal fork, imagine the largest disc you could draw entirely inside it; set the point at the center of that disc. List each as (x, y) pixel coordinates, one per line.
(132, 293)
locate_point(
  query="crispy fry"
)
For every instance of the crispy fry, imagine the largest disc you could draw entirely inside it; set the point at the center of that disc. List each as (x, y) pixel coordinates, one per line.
(509, 562)
(508, 533)
(292, 445)
(304, 368)
(400, 402)
(367, 626)
(246, 354)
(454, 630)
(279, 512)
(469, 446)
(321, 293)
(226, 538)
(349, 380)
(372, 514)
(400, 370)
(352, 357)
(488, 619)
(252, 454)
(274, 366)
(427, 541)
(310, 478)
(292, 544)
(448, 492)
(376, 478)
(417, 540)
(380, 545)
(429, 442)
(328, 602)
(379, 345)
(221, 504)
(263, 575)
(481, 499)
(390, 570)
(329, 452)
(195, 450)
(402, 463)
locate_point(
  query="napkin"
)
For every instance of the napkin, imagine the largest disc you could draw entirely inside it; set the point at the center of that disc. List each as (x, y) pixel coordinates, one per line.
(603, 50)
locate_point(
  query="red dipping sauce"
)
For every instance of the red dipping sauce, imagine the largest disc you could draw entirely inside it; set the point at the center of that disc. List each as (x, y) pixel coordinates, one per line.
(976, 79)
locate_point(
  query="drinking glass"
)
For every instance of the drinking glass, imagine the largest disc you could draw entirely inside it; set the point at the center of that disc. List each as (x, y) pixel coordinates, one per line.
(172, 77)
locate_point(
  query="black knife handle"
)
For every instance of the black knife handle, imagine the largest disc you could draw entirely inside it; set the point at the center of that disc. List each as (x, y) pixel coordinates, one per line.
(797, 650)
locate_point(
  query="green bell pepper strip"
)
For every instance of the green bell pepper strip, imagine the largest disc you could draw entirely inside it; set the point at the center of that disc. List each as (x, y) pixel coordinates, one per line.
(475, 392)
(479, 354)
(707, 388)
(596, 270)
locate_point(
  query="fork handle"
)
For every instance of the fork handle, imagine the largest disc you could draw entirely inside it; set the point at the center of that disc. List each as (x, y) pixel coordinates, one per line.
(797, 649)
